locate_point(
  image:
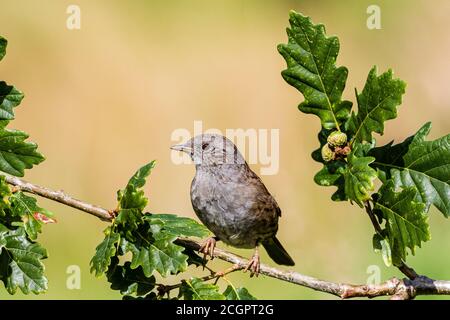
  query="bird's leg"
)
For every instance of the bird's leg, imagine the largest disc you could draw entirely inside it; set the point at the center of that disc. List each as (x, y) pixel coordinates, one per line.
(254, 263)
(207, 247)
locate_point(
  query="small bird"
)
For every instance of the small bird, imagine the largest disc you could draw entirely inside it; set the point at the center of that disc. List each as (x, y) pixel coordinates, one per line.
(232, 201)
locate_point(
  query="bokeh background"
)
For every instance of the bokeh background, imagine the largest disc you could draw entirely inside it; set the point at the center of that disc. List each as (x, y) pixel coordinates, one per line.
(103, 100)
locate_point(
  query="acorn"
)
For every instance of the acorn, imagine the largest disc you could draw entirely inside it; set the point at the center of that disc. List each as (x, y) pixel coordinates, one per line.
(337, 139)
(327, 153)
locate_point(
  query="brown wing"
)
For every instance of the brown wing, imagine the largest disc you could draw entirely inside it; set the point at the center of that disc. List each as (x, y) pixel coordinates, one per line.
(264, 195)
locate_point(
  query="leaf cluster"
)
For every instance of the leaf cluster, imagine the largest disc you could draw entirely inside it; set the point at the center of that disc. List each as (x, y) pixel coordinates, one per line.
(413, 174)
(21, 218)
(149, 241)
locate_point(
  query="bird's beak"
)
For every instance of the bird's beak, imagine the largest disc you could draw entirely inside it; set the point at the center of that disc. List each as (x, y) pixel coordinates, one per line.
(182, 147)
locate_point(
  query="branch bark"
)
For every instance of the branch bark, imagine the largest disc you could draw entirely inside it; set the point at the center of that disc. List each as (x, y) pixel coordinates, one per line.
(59, 196)
(398, 289)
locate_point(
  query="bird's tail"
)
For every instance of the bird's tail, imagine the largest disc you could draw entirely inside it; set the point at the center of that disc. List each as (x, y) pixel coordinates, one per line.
(277, 252)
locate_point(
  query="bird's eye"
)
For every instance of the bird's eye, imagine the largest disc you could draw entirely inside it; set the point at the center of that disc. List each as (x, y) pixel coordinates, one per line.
(204, 145)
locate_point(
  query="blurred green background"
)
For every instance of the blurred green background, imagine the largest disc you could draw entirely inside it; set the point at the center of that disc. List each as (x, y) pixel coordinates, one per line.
(103, 100)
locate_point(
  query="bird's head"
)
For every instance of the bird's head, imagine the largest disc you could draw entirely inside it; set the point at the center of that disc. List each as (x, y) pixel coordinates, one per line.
(211, 150)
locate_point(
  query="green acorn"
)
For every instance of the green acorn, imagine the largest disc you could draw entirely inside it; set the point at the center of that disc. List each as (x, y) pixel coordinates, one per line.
(337, 139)
(327, 153)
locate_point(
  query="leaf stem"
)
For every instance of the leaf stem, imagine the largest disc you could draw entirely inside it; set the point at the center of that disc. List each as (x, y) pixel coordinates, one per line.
(373, 219)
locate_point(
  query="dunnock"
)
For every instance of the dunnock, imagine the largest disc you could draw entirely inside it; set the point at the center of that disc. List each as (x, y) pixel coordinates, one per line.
(231, 200)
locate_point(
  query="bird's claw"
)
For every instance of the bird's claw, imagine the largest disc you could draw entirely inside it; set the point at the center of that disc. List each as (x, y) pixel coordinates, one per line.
(207, 248)
(253, 265)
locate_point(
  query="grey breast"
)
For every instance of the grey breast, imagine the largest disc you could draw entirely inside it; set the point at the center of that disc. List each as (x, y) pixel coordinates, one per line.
(232, 202)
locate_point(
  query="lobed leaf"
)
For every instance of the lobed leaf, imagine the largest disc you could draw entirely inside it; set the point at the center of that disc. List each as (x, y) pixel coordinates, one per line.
(377, 103)
(20, 262)
(129, 218)
(311, 68)
(406, 219)
(178, 226)
(359, 177)
(132, 197)
(16, 154)
(418, 163)
(231, 293)
(155, 251)
(332, 174)
(104, 252)
(26, 207)
(197, 289)
(10, 98)
(129, 281)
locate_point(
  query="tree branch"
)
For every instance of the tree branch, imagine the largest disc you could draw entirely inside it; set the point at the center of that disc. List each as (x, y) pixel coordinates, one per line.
(60, 197)
(396, 288)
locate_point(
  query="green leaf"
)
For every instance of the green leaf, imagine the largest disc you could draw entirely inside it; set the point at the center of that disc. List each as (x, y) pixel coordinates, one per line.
(381, 244)
(26, 207)
(231, 293)
(10, 98)
(178, 226)
(311, 68)
(332, 174)
(20, 262)
(377, 103)
(406, 220)
(16, 154)
(155, 251)
(132, 197)
(359, 177)
(104, 251)
(5, 193)
(421, 164)
(130, 218)
(3, 44)
(129, 281)
(197, 289)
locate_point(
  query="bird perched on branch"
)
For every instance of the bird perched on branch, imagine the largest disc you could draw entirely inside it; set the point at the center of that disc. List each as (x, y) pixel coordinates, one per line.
(231, 200)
